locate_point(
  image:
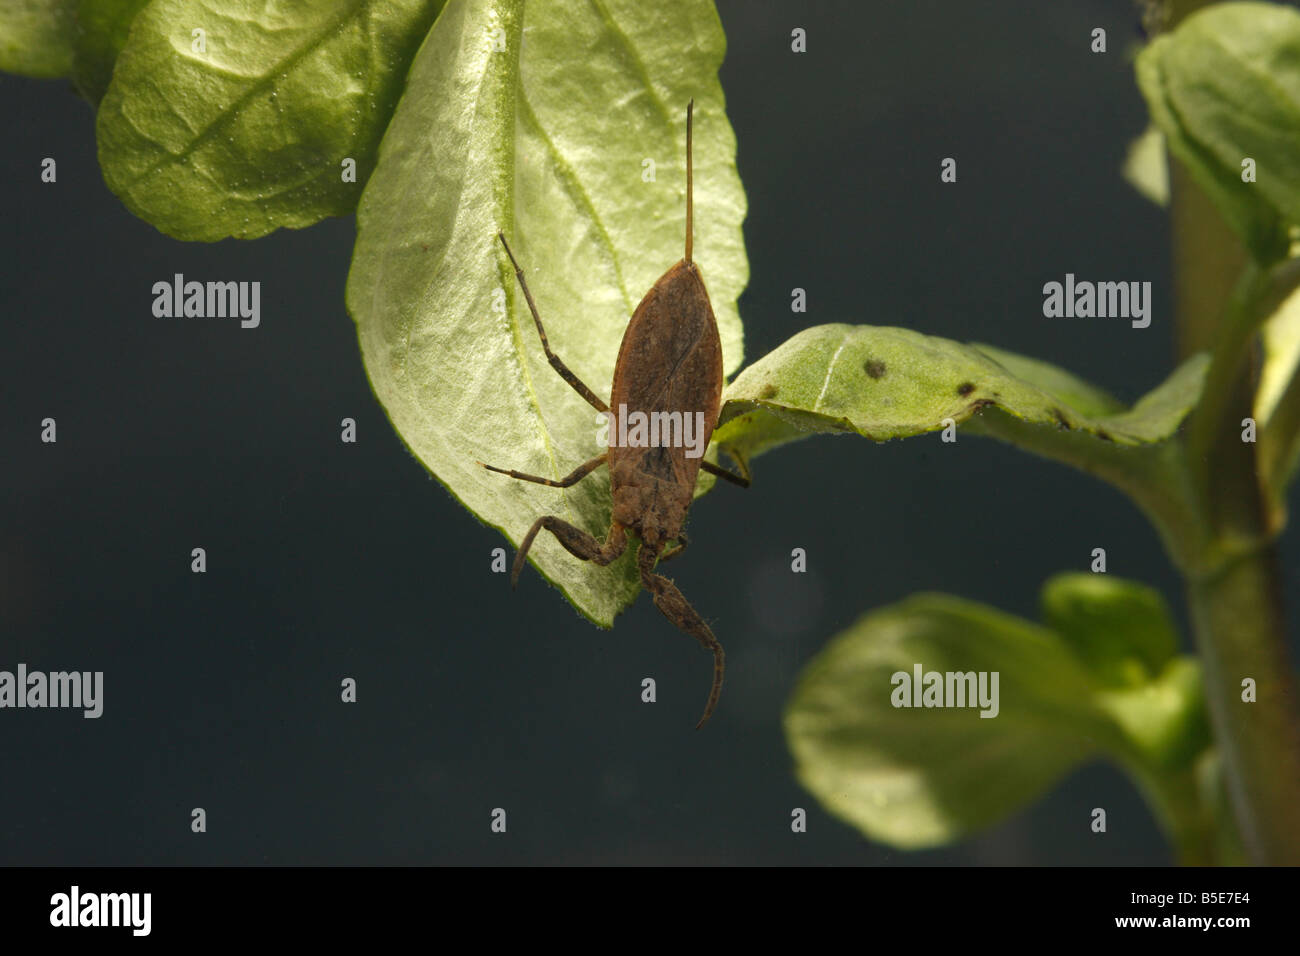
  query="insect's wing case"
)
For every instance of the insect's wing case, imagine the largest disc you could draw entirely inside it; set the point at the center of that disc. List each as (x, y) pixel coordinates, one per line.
(670, 361)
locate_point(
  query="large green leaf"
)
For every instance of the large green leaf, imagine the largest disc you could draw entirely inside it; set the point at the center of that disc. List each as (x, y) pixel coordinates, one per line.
(917, 776)
(37, 36)
(546, 141)
(1223, 87)
(249, 134)
(102, 29)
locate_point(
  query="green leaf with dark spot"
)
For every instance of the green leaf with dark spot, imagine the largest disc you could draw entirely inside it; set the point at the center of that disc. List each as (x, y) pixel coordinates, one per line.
(1084, 397)
(102, 29)
(884, 383)
(249, 133)
(549, 143)
(1224, 87)
(1120, 629)
(37, 36)
(920, 776)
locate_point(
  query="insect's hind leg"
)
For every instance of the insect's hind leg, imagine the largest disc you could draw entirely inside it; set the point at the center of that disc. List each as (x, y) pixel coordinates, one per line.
(674, 606)
(678, 548)
(572, 478)
(577, 542)
(561, 369)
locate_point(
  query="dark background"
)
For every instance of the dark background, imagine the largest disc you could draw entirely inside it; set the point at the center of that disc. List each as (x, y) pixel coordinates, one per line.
(328, 560)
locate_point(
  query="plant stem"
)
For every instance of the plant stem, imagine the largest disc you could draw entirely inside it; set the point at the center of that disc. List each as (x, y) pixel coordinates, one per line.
(1237, 620)
(1199, 295)
(1234, 595)
(1233, 585)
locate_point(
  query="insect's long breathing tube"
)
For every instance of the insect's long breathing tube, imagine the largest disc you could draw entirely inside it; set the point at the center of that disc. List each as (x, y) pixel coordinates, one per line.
(690, 198)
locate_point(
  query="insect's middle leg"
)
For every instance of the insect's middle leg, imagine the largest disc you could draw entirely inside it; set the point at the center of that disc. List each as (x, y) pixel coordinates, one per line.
(742, 479)
(674, 606)
(577, 542)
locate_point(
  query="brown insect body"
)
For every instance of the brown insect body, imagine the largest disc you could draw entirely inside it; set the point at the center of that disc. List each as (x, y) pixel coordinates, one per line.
(670, 362)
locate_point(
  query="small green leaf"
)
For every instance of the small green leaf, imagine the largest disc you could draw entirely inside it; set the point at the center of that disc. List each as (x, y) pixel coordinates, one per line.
(37, 36)
(1163, 718)
(1224, 87)
(553, 143)
(918, 776)
(234, 117)
(884, 383)
(1277, 402)
(1280, 336)
(102, 29)
(1120, 629)
(1146, 166)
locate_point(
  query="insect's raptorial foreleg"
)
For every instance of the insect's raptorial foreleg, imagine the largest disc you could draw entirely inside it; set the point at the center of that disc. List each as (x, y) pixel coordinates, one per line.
(678, 548)
(677, 609)
(572, 478)
(576, 541)
(564, 371)
(741, 479)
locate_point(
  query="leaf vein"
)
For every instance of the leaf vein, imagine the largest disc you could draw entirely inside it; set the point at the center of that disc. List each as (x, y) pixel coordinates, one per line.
(255, 87)
(831, 368)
